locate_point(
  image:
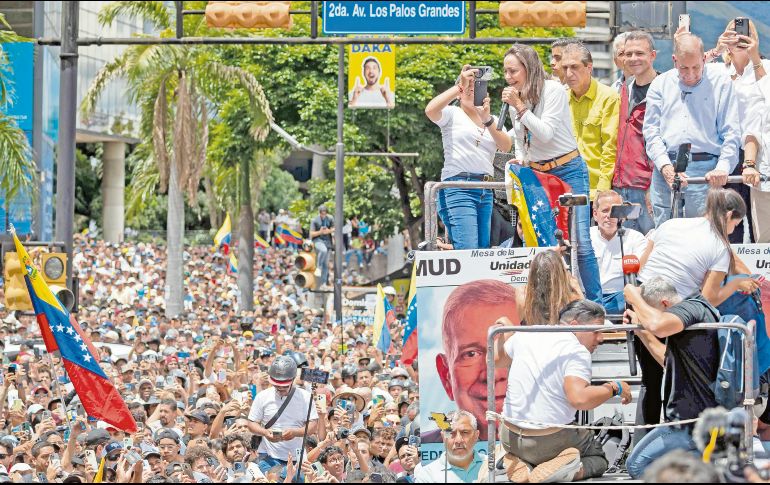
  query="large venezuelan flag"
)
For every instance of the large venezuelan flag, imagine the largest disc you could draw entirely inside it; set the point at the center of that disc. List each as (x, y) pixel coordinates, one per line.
(62, 333)
(409, 351)
(536, 196)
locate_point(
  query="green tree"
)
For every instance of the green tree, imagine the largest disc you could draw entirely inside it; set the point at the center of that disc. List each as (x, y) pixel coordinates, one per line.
(303, 94)
(174, 87)
(19, 174)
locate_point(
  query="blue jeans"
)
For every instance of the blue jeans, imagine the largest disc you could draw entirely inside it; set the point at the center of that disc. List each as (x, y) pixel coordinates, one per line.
(467, 215)
(575, 173)
(323, 260)
(655, 444)
(359, 254)
(266, 462)
(614, 302)
(694, 195)
(637, 196)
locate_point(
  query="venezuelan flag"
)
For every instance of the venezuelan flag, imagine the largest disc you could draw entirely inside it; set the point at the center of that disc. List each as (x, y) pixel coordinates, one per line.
(224, 235)
(286, 234)
(409, 351)
(232, 267)
(384, 317)
(62, 334)
(260, 243)
(536, 196)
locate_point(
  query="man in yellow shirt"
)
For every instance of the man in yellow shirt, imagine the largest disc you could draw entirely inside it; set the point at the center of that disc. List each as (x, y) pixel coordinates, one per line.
(594, 108)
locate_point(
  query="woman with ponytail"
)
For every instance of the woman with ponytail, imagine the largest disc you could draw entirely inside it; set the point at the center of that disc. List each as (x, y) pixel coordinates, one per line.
(695, 253)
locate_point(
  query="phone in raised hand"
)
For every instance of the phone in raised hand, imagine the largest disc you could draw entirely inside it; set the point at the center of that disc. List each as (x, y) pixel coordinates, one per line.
(684, 21)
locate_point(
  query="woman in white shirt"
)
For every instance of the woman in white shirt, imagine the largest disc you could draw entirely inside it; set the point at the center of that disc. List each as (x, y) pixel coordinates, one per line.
(544, 140)
(695, 253)
(745, 66)
(469, 148)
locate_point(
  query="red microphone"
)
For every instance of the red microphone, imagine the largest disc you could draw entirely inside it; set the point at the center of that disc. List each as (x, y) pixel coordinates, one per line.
(631, 266)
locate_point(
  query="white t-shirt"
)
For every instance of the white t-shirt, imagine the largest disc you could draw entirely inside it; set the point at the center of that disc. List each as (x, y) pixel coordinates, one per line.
(684, 251)
(264, 407)
(609, 258)
(541, 361)
(467, 148)
(550, 126)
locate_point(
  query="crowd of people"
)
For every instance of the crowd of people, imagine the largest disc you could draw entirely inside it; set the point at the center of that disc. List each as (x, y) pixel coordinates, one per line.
(206, 386)
(225, 395)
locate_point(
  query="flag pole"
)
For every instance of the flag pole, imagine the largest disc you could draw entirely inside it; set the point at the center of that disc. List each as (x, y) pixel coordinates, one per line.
(59, 385)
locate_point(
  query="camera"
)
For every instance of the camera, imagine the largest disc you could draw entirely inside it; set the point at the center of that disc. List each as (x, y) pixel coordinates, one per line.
(729, 455)
(316, 376)
(626, 211)
(343, 433)
(572, 200)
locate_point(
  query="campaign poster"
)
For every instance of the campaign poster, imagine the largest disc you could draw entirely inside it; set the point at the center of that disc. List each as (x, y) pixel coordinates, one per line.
(358, 307)
(460, 294)
(372, 76)
(757, 258)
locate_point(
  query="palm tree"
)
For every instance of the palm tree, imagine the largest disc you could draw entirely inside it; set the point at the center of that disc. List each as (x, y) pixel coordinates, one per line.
(16, 162)
(175, 88)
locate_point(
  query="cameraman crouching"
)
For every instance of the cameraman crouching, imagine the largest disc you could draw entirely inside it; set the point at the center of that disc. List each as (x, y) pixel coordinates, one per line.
(691, 361)
(548, 382)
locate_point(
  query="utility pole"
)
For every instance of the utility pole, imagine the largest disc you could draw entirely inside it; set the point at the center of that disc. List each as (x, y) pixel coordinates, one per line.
(339, 184)
(65, 168)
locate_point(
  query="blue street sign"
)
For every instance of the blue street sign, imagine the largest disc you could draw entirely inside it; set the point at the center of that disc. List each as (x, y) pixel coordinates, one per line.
(354, 17)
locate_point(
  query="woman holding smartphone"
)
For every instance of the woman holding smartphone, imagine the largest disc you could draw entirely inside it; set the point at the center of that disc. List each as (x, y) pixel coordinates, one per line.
(544, 141)
(469, 148)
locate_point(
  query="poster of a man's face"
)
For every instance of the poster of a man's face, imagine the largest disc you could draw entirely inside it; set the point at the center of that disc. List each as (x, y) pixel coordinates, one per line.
(469, 311)
(372, 77)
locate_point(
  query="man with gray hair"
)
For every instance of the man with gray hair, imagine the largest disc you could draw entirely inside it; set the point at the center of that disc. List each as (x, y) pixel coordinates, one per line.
(594, 109)
(694, 104)
(460, 463)
(691, 360)
(619, 58)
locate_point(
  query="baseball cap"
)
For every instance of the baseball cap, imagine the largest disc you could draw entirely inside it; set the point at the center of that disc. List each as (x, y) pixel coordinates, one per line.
(199, 415)
(21, 468)
(35, 408)
(97, 436)
(112, 447)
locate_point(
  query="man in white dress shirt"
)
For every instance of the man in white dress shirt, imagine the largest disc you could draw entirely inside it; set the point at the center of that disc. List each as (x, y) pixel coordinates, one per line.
(606, 243)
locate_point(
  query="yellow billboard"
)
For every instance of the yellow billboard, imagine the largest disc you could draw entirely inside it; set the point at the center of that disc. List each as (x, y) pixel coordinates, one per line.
(372, 76)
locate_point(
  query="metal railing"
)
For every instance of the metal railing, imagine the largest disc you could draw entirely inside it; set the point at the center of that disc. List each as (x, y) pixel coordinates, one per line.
(748, 370)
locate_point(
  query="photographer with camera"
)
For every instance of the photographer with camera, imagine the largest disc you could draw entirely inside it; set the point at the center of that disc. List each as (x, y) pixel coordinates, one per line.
(694, 103)
(606, 244)
(279, 414)
(470, 143)
(691, 360)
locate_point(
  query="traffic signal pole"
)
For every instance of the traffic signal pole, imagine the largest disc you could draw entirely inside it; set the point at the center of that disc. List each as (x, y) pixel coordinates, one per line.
(65, 164)
(339, 189)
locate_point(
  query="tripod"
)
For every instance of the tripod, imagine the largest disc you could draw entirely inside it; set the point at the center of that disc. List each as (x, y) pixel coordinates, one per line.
(313, 387)
(677, 198)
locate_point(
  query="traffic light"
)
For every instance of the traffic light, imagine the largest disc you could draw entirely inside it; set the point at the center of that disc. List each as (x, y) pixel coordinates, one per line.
(305, 263)
(248, 15)
(54, 268)
(16, 294)
(542, 14)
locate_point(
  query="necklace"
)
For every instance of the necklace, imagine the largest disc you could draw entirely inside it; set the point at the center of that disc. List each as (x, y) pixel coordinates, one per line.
(481, 134)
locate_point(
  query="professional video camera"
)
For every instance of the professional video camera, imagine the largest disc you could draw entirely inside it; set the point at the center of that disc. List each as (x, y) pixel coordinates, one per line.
(720, 436)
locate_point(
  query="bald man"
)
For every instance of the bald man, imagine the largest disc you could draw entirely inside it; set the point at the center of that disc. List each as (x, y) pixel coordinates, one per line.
(693, 103)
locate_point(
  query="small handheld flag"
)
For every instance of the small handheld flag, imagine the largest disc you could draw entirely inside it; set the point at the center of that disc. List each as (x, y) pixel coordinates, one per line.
(409, 351)
(260, 243)
(224, 235)
(61, 333)
(286, 234)
(232, 266)
(384, 317)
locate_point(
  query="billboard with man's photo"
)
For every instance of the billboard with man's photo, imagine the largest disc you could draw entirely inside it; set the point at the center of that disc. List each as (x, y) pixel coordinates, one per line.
(460, 294)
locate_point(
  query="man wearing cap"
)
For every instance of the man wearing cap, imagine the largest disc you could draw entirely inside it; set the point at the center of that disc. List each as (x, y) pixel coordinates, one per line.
(321, 230)
(197, 424)
(285, 434)
(408, 458)
(169, 446)
(395, 388)
(96, 439)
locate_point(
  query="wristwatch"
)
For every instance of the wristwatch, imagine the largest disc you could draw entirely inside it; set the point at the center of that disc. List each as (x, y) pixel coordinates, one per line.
(749, 164)
(489, 122)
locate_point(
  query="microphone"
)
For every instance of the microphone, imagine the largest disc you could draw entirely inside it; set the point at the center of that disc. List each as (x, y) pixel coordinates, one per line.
(631, 266)
(503, 116)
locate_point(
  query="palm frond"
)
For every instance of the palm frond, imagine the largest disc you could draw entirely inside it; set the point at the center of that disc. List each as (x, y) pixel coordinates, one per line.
(159, 135)
(152, 11)
(108, 72)
(16, 163)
